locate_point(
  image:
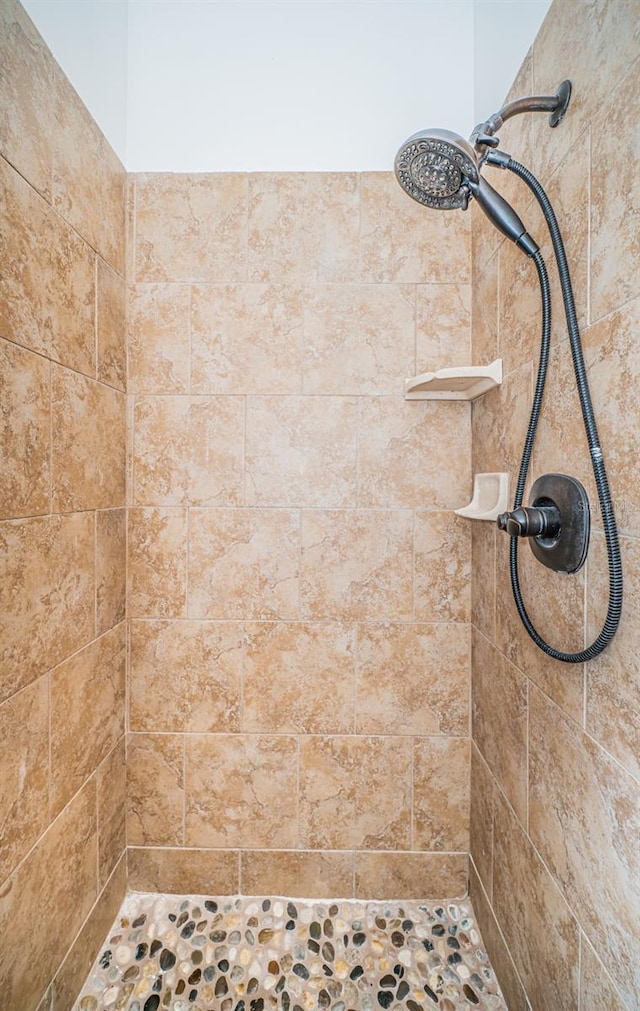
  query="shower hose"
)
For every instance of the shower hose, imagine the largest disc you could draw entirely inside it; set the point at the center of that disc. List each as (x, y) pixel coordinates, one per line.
(614, 609)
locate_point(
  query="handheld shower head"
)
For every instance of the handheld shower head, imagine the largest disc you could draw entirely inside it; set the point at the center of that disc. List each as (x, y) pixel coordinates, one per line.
(435, 166)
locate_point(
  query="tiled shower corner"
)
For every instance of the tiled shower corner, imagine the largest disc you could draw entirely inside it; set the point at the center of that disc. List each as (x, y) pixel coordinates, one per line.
(198, 953)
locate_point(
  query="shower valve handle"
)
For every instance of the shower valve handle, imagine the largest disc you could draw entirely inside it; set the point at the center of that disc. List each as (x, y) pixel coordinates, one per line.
(532, 521)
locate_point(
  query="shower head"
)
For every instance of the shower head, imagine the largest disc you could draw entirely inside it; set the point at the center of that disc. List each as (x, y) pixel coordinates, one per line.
(435, 167)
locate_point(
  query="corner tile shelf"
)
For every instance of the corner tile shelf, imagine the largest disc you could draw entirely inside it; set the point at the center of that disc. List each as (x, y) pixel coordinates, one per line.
(455, 383)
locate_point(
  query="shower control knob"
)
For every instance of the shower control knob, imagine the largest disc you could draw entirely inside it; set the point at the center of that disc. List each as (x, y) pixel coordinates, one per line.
(532, 521)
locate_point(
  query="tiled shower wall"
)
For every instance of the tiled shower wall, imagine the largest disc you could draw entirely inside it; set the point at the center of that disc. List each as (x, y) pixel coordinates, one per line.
(555, 770)
(298, 585)
(62, 526)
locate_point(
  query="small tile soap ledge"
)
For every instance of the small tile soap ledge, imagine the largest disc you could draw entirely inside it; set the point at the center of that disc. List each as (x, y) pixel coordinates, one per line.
(490, 497)
(465, 383)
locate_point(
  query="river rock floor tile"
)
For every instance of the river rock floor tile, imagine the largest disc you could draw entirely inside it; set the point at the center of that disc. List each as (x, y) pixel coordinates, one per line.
(199, 953)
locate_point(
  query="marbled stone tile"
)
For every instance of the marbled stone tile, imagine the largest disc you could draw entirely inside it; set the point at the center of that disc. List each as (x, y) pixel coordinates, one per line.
(88, 443)
(483, 578)
(395, 875)
(111, 568)
(158, 322)
(87, 713)
(246, 338)
(111, 326)
(301, 451)
(70, 976)
(443, 326)
(356, 566)
(188, 451)
(191, 227)
(299, 678)
(155, 789)
(596, 989)
(500, 420)
(497, 949)
(484, 313)
(25, 445)
(157, 563)
(111, 781)
(179, 871)
(400, 240)
(240, 790)
(442, 560)
(310, 874)
(339, 809)
(24, 773)
(519, 311)
(613, 689)
(583, 805)
(413, 679)
(613, 359)
(481, 819)
(358, 338)
(185, 676)
(441, 774)
(26, 97)
(538, 926)
(59, 901)
(485, 238)
(500, 720)
(304, 226)
(243, 563)
(413, 454)
(47, 594)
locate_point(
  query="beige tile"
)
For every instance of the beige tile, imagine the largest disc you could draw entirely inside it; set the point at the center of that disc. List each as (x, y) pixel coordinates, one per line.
(243, 563)
(443, 326)
(111, 568)
(484, 313)
(87, 713)
(246, 338)
(583, 805)
(519, 309)
(191, 227)
(88, 179)
(240, 791)
(24, 773)
(356, 566)
(47, 594)
(25, 432)
(185, 676)
(481, 819)
(184, 871)
(441, 793)
(70, 293)
(111, 326)
(358, 338)
(155, 790)
(111, 780)
(26, 97)
(400, 240)
(486, 240)
(301, 451)
(58, 902)
(539, 929)
(339, 809)
(413, 679)
(483, 578)
(157, 563)
(75, 969)
(499, 717)
(299, 678)
(500, 420)
(158, 323)
(88, 443)
(411, 875)
(501, 961)
(596, 989)
(310, 875)
(442, 580)
(413, 454)
(188, 451)
(304, 226)
(613, 691)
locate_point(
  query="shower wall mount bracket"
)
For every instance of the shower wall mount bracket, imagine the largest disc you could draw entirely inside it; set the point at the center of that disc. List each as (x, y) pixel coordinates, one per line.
(465, 383)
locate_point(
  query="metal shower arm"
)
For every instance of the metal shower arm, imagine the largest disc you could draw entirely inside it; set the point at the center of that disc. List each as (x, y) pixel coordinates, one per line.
(556, 105)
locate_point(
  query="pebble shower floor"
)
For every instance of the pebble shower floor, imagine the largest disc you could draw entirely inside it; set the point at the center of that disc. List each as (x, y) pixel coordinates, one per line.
(198, 953)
